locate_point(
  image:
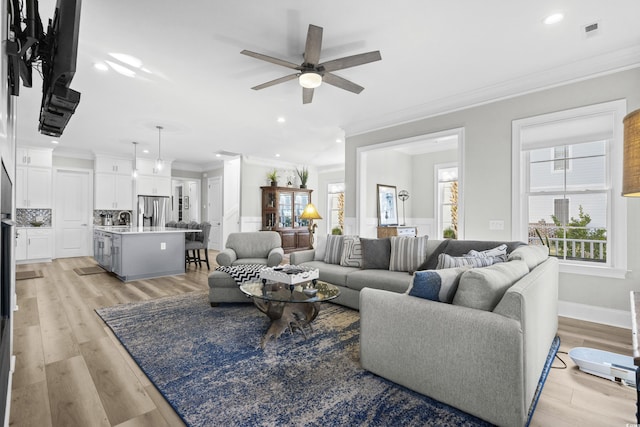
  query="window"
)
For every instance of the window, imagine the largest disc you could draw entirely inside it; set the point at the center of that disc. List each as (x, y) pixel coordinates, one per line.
(567, 197)
(335, 206)
(447, 200)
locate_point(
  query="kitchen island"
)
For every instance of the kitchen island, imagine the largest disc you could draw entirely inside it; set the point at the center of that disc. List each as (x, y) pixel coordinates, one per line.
(133, 253)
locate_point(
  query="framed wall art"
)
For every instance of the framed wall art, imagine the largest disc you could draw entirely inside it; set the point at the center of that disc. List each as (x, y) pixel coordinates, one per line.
(387, 205)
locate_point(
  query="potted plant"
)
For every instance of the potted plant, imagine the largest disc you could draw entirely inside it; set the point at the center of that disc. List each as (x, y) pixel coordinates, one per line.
(273, 177)
(304, 176)
(336, 230)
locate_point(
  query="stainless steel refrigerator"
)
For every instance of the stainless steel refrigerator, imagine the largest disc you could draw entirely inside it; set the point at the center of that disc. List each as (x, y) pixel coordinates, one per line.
(153, 211)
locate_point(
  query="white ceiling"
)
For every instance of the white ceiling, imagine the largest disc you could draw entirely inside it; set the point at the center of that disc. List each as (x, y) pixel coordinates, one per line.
(436, 56)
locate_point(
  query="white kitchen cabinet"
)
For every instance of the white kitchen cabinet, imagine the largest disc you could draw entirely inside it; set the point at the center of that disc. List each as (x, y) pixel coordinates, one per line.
(113, 191)
(33, 187)
(34, 244)
(27, 156)
(105, 164)
(149, 185)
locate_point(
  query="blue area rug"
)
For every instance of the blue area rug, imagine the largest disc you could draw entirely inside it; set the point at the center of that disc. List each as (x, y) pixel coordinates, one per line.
(208, 364)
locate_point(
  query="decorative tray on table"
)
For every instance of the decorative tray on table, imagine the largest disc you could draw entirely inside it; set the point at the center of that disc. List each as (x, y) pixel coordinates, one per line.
(289, 274)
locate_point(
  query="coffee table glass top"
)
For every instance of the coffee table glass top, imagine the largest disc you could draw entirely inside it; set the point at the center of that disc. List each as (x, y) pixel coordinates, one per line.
(281, 292)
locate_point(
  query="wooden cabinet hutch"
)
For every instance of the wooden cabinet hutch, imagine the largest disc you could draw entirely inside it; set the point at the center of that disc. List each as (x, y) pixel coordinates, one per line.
(281, 210)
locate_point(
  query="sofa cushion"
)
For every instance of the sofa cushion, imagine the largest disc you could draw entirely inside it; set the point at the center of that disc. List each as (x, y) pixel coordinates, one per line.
(351, 252)
(436, 285)
(448, 261)
(483, 288)
(376, 253)
(321, 248)
(394, 281)
(531, 254)
(333, 252)
(407, 253)
(460, 247)
(332, 273)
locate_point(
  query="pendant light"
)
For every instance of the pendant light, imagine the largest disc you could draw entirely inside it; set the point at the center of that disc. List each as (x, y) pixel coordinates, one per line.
(135, 159)
(159, 161)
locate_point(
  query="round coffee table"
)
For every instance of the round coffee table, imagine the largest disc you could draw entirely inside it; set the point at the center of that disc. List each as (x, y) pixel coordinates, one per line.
(289, 306)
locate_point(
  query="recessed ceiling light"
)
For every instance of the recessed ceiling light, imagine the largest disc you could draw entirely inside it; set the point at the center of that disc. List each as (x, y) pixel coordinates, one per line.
(218, 155)
(101, 66)
(277, 155)
(554, 18)
(54, 142)
(281, 120)
(145, 151)
(339, 141)
(127, 59)
(120, 69)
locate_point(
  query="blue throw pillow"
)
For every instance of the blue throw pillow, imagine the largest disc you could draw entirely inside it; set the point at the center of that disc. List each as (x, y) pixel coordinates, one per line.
(436, 285)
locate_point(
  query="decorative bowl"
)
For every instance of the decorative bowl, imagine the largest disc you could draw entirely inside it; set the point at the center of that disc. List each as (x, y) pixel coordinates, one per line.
(310, 292)
(36, 223)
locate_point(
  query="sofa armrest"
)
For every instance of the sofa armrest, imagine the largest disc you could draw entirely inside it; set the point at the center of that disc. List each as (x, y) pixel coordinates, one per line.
(437, 349)
(302, 256)
(275, 257)
(226, 257)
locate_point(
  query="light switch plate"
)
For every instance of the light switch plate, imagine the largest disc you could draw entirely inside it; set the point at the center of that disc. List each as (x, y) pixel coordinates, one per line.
(163, 246)
(496, 224)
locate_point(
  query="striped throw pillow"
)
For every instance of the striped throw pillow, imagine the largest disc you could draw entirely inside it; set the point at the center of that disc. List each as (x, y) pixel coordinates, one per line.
(351, 252)
(407, 253)
(495, 252)
(448, 261)
(333, 249)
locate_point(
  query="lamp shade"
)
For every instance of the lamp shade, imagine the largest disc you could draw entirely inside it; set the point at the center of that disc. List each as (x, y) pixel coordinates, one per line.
(310, 212)
(631, 163)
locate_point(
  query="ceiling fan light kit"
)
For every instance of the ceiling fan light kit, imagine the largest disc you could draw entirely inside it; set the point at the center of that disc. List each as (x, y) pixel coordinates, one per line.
(311, 73)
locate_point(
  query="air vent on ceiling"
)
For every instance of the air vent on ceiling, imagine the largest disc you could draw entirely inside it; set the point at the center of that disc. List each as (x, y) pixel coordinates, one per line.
(591, 30)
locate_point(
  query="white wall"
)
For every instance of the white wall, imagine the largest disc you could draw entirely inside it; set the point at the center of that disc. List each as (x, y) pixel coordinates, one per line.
(487, 174)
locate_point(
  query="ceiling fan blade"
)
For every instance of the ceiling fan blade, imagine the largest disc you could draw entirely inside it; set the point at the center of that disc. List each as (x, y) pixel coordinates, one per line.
(307, 95)
(345, 84)
(314, 45)
(271, 59)
(351, 61)
(276, 81)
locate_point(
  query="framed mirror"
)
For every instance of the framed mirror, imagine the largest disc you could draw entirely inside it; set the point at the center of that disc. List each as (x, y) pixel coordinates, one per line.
(387, 205)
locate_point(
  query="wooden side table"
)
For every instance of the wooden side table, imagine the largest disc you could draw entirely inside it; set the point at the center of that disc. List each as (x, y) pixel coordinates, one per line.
(635, 329)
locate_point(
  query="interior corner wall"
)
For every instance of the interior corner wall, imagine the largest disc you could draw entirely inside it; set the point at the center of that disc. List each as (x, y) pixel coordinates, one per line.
(487, 170)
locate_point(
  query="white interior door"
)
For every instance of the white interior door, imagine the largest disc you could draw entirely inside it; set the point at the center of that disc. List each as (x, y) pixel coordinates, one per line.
(214, 205)
(73, 213)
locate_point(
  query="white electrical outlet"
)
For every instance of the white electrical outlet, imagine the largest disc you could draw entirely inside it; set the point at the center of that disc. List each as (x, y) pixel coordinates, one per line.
(496, 224)
(163, 246)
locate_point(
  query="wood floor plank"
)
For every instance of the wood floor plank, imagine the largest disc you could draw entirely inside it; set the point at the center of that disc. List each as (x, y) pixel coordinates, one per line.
(58, 341)
(121, 397)
(163, 406)
(73, 396)
(27, 347)
(150, 419)
(30, 406)
(27, 314)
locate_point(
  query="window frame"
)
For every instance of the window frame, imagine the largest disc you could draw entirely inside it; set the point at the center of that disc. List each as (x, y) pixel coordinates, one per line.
(611, 113)
(438, 202)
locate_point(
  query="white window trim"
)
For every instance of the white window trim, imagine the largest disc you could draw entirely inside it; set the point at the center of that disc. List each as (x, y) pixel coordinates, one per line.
(617, 209)
(436, 191)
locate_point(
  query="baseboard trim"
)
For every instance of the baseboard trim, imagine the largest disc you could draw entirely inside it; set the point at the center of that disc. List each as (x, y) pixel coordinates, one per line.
(590, 313)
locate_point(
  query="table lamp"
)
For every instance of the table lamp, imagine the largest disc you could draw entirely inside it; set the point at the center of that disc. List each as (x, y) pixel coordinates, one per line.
(310, 213)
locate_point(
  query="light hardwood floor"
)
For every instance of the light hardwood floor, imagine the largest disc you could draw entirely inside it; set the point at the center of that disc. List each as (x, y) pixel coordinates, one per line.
(71, 370)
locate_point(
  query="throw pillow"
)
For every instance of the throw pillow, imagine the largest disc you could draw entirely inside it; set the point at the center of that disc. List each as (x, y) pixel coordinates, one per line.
(448, 261)
(376, 253)
(334, 249)
(531, 254)
(351, 252)
(407, 253)
(321, 248)
(437, 285)
(483, 288)
(495, 252)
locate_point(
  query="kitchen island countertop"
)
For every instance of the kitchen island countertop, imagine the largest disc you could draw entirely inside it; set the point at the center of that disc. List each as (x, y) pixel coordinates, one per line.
(133, 229)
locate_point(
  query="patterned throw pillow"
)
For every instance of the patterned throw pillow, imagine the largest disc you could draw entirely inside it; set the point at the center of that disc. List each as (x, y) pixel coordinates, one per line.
(333, 252)
(351, 252)
(495, 252)
(407, 253)
(448, 261)
(437, 285)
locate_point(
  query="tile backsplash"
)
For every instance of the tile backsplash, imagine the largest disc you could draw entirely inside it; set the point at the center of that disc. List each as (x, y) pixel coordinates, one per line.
(24, 217)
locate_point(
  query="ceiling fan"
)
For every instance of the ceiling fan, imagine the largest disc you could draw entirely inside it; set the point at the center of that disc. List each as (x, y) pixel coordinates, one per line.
(311, 73)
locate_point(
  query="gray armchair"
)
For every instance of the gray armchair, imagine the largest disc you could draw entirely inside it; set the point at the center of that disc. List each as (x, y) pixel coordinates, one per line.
(256, 247)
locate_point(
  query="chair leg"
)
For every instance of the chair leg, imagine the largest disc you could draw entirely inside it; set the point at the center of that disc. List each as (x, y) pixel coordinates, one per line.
(206, 256)
(196, 253)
